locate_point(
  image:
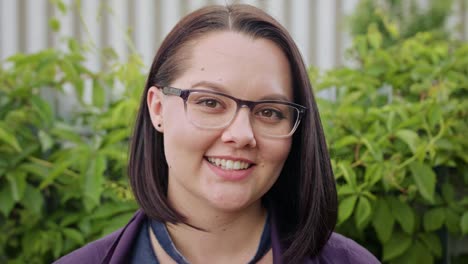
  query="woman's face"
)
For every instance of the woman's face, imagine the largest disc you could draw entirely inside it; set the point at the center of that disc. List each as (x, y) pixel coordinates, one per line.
(246, 68)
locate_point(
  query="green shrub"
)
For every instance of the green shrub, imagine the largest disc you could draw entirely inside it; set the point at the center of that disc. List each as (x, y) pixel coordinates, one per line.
(397, 136)
(63, 177)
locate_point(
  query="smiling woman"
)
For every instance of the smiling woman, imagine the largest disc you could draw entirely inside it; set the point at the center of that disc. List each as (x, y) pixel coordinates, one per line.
(228, 161)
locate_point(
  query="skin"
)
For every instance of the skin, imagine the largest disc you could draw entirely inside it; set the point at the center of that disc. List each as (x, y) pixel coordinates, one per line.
(251, 69)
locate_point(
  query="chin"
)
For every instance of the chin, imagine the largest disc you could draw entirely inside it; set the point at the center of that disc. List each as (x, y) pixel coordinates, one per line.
(232, 202)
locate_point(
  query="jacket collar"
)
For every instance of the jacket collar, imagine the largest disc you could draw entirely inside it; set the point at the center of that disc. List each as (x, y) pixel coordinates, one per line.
(119, 251)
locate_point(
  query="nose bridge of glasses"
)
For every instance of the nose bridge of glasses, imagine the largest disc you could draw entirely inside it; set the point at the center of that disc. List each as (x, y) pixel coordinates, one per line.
(244, 118)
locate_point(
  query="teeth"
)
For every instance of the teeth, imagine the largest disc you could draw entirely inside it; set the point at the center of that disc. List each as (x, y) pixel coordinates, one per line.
(229, 164)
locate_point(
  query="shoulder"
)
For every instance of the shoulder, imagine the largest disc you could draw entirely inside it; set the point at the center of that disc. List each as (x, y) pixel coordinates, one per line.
(93, 252)
(340, 249)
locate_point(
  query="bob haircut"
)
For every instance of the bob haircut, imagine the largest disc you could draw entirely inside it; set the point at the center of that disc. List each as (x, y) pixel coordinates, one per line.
(303, 198)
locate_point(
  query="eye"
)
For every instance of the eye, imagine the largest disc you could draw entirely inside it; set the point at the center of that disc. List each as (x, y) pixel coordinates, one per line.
(269, 113)
(209, 102)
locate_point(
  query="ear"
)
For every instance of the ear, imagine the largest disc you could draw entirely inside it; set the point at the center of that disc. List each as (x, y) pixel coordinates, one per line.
(154, 98)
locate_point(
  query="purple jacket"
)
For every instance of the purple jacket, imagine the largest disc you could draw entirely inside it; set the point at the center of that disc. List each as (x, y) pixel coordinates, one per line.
(116, 247)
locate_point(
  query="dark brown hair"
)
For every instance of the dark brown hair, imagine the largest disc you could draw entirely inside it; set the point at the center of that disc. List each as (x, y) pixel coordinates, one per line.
(304, 196)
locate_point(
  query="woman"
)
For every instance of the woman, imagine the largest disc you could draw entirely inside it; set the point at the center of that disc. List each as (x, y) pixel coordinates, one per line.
(228, 160)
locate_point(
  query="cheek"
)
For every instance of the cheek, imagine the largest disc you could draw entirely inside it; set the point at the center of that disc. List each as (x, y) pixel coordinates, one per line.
(273, 157)
(183, 142)
(277, 152)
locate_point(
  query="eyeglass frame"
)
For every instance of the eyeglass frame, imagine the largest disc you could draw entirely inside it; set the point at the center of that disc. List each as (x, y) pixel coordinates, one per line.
(185, 93)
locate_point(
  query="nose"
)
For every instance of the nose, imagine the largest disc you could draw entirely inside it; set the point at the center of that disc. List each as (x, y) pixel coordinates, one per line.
(240, 132)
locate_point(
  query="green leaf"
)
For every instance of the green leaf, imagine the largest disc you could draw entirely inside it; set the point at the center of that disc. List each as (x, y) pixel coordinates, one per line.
(74, 235)
(33, 199)
(58, 244)
(45, 140)
(431, 241)
(54, 24)
(452, 221)
(363, 212)
(6, 200)
(434, 115)
(425, 180)
(99, 94)
(344, 190)
(345, 208)
(9, 138)
(348, 173)
(17, 180)
(396, 246)
(376, 152)
(43, 109)
(383, 220)
(345, 141)
(59, 167)
(109, 210)
(434, 219)
(70, 219)
(464, 223)
(94, 180)
(418, 253)
(374, 174)
(374, 36)
(403, 214)
(409, 137)
(117, 222)
(448, 192)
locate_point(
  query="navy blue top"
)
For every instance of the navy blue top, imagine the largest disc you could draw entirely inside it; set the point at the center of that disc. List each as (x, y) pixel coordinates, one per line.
(143, 251)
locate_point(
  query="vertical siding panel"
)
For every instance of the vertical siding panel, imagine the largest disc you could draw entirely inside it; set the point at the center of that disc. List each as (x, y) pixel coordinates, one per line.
(221, 2)
(312, 32)
(117, 27)
(21, 20)
(184, 7)
(276, 9)
(170, 15)
(157, 21)
(195, 4)
(348, 7)
(90, 32)
(464, 18)
(145, 29)
(326, 42)
(36, 26)
(50, 32)
(66, 26)
(66, 102)
(89, 35)
(325, 37)
(251, 2)
(287, 14)
(340, 27)
(9, 28)
(298, 27)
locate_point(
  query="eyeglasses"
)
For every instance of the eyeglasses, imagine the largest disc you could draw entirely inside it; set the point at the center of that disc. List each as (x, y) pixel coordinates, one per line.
(213, 110)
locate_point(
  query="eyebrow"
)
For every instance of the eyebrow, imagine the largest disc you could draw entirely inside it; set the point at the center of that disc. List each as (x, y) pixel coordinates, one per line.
(220, 88)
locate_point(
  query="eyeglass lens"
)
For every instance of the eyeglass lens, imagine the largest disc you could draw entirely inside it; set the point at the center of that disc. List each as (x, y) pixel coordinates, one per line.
(207, 110)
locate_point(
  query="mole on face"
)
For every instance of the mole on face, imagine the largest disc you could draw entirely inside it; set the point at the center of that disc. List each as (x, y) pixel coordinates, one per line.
(202, 69)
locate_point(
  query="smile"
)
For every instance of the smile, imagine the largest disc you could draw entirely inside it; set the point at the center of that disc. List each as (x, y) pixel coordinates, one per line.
(226, 164)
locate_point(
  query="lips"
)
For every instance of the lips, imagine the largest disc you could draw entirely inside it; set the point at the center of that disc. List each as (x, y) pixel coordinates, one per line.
(229, 164)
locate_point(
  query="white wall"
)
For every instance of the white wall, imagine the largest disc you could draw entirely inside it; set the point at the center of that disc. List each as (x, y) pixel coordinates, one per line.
(316, 25)
(116, 23)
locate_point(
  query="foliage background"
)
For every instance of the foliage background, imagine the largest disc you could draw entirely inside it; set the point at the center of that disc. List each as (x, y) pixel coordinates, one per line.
(396, 131)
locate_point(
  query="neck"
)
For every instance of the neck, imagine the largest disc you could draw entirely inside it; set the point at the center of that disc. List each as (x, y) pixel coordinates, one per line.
(234, 235)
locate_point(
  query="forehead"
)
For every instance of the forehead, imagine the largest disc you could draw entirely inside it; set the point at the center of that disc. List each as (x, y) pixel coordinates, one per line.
(239, 62)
